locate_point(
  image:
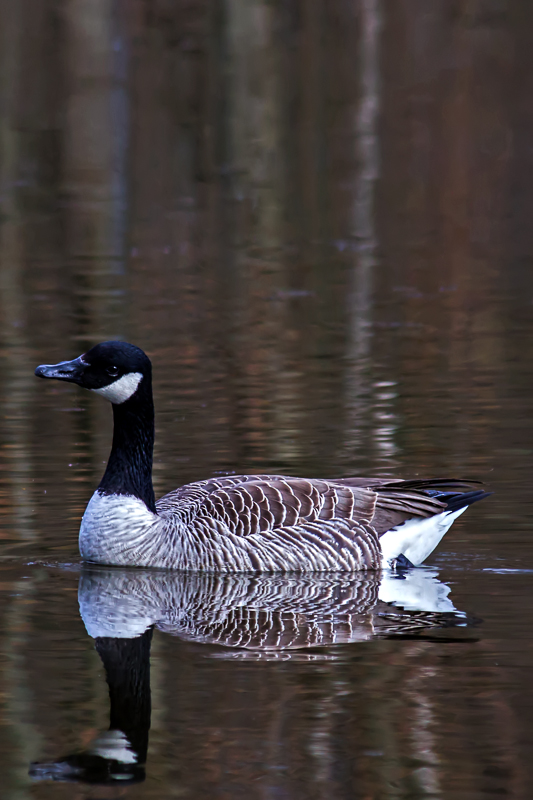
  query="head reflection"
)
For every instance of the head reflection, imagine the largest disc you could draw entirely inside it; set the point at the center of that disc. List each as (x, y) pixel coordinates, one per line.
(243, 616)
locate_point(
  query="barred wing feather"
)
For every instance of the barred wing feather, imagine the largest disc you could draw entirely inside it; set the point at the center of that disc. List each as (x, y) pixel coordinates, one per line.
(274, 522)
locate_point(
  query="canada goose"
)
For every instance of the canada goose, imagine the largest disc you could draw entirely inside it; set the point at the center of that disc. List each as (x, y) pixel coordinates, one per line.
(247, 522)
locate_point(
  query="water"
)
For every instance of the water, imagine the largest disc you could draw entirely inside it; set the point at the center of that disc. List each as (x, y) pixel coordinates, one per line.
(405, 710)
(315, 218)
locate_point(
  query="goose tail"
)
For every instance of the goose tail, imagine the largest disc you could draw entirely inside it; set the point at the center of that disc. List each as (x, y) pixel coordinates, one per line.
(463, 500)
(416, 538)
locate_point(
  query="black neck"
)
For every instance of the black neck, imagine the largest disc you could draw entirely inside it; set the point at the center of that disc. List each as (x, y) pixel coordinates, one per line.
(129, 469)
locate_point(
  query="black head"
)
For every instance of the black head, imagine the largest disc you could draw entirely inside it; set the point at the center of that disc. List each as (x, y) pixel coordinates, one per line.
(115, 370)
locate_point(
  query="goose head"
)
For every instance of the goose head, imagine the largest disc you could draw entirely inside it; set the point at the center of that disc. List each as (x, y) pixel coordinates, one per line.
(114, 370)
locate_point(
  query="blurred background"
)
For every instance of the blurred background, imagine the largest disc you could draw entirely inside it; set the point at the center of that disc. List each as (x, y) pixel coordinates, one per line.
(315, 217)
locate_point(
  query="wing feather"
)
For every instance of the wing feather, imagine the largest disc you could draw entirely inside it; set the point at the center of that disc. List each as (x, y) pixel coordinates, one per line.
(343, 516)
(269, 503)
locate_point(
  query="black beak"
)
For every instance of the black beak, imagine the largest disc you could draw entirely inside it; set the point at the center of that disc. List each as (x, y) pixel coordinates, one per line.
(71, 371)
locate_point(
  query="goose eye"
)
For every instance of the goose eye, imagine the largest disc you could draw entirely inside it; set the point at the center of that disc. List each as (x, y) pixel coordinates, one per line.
(112, 371)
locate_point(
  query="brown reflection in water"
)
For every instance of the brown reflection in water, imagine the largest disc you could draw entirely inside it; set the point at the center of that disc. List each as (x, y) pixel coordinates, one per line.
(258, 256)
(246, 251)
(447, 152)
(16, 493)
(94, 183)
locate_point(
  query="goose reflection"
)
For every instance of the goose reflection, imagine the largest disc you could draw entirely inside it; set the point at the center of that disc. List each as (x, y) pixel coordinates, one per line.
(246, 617)
(265, 616)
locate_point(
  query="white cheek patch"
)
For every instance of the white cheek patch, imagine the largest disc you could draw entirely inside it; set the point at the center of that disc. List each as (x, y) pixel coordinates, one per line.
(122, 389)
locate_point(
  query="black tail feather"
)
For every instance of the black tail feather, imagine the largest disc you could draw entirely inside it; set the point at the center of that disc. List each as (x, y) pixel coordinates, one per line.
(456, 501)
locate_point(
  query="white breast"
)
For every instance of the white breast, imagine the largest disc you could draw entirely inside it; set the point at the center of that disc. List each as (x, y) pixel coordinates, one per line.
(115, 529)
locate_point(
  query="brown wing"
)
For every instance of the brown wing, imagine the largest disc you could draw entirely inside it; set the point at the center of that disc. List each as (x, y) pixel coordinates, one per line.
(276, 502)
(253, 503)
(190, 497)
(398, 500)
(210, 485)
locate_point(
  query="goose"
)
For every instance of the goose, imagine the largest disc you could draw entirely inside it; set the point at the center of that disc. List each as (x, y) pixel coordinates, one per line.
(243, 523)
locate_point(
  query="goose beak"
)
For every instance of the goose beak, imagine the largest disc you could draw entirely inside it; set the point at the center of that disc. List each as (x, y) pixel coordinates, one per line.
(71, 371)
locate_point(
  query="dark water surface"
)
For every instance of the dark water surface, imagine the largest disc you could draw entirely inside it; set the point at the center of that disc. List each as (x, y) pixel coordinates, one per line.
(315, 217)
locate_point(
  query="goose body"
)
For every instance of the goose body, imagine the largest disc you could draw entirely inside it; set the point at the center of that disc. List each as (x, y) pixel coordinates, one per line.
(258, 523)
